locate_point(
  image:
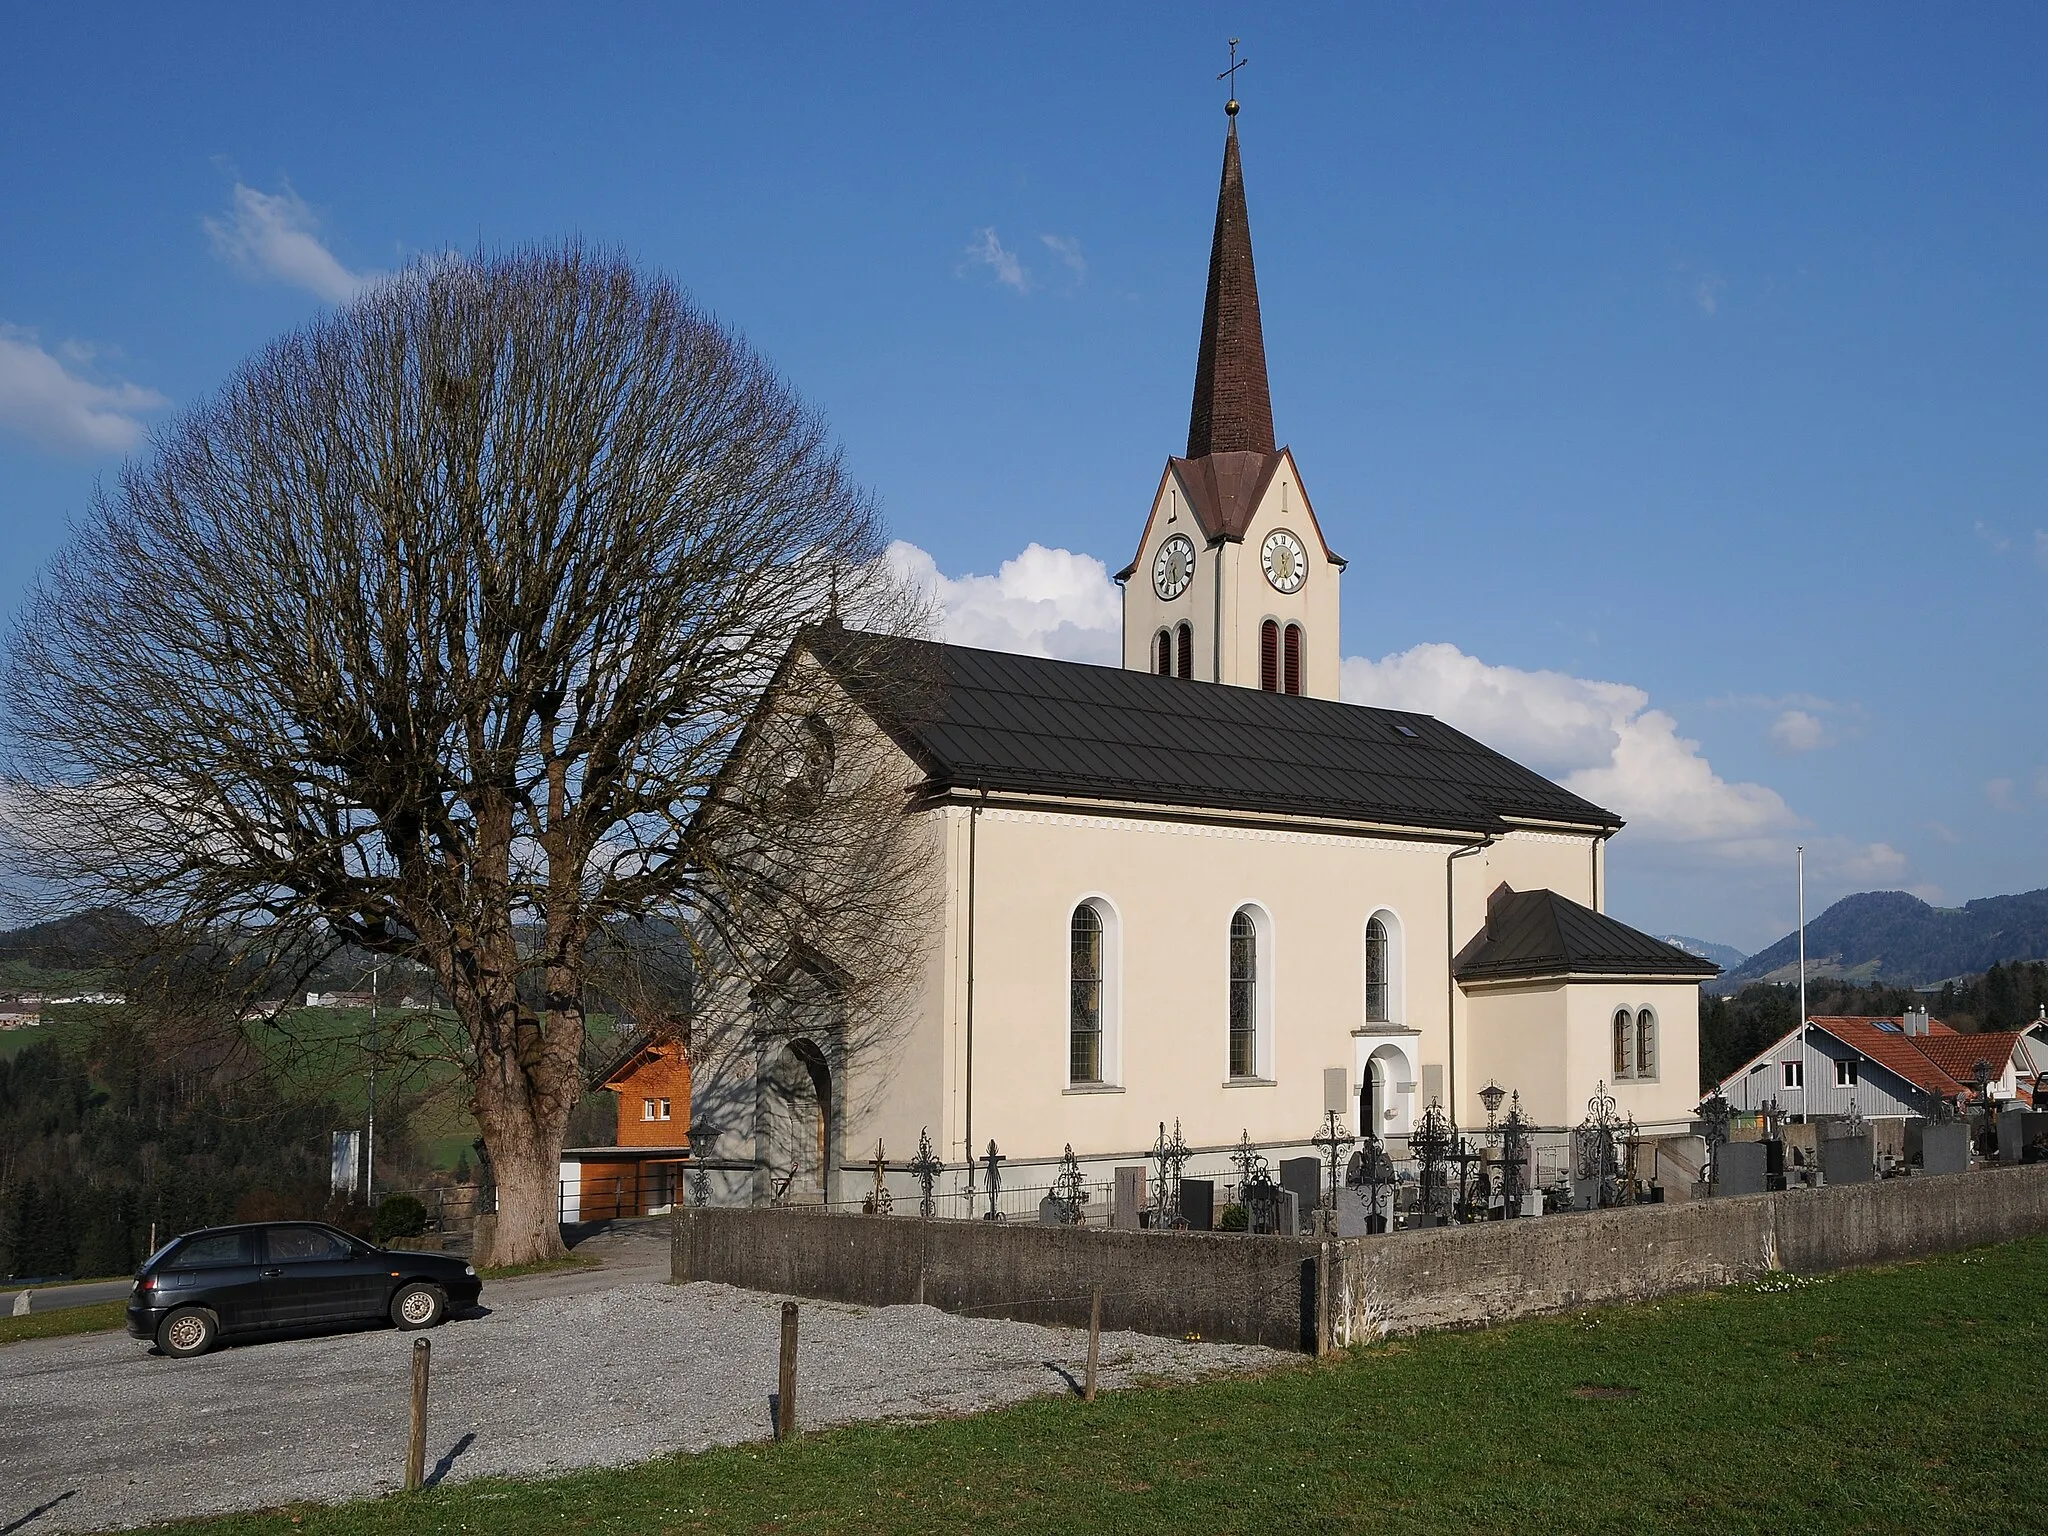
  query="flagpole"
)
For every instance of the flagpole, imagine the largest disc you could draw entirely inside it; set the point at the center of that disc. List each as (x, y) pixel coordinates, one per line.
(1806, 1088)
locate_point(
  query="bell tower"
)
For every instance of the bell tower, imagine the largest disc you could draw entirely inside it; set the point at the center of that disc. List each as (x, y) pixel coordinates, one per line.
(1232, 582)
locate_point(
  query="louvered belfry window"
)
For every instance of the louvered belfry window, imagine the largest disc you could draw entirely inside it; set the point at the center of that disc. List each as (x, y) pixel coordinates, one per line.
(1646, 1044)
(1084, 1008)
(1185, 636)
(1269, 657)
(1162, 653)
(1292, 660)
(1244, 996)
(1622, 1056)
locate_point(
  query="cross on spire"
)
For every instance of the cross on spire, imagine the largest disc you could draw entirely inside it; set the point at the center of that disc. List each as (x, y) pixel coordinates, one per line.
(1230, 74)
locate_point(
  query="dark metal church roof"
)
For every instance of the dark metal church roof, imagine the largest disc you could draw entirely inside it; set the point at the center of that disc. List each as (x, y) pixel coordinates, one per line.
(1540, 933)
(996, 721)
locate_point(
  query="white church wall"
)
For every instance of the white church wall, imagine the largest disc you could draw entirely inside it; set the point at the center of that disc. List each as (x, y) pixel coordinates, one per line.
(1665, 1103)
(1518, 1037)
(1175, 887)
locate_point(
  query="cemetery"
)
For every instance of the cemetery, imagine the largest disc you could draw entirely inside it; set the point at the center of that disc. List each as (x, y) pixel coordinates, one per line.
(1350, 1238)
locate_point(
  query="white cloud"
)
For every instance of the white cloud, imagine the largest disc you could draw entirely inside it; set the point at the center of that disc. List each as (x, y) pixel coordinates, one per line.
(990, 252)
(1999, 793)
(58, 407)
(1068, 249)
(1045, 602)
(1708, 294)
(1599, 739)
(272, 235)
(1797, 731)
(1945, 832)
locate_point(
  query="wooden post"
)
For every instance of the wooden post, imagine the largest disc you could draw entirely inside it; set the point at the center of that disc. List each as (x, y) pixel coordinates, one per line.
(785, 1387)
(416, 1452)
(1094, 1343)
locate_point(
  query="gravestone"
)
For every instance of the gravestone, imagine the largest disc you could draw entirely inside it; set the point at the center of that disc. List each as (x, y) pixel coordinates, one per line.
(1303, 1175)
(1290, 1213)
(1130, 1199)
(1532, 1201)
(1744, 1165)
(1938, 1146)
(1198, 1204)
(2017, 1130)
(1847, 1159)
(1049, 1212)
(1354, 1219)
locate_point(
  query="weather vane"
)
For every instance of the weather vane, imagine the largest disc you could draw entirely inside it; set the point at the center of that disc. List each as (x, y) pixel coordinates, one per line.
(1230, 74)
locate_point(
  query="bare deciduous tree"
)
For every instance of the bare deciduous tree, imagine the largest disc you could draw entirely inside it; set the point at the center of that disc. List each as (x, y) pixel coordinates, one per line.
(437, 631)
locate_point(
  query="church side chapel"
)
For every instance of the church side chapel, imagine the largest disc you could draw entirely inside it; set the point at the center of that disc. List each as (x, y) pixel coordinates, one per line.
(1199, 894)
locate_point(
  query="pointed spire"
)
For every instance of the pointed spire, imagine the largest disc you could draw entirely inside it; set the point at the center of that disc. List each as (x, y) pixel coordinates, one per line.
(1233, 411)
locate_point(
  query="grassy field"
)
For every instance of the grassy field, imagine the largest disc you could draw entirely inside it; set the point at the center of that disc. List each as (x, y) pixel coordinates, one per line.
(1875, 1401)
(97, 1318)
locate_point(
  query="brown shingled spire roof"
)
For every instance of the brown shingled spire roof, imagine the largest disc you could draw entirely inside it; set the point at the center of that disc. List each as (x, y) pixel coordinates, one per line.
(1233, 411)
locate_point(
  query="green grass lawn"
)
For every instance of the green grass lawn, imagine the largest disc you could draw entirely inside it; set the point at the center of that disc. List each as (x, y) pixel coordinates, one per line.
(1863, 1402)
(100, 1317)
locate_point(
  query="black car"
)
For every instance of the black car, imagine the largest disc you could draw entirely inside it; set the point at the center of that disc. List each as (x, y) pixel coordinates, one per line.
(283, 1276)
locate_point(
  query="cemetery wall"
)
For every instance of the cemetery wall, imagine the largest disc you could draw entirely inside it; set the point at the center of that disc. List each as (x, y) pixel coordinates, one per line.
(1223, 1287)
(1466, 1276)
(1264, 1290)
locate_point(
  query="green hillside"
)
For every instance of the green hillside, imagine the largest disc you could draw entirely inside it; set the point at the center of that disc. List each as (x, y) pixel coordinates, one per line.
(1896, 938)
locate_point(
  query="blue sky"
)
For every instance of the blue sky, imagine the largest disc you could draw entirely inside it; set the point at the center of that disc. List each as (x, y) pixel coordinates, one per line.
(1673, 377)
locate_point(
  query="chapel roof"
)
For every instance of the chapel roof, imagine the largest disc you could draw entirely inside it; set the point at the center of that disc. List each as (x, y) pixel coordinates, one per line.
(1540, 933)
(997, 721)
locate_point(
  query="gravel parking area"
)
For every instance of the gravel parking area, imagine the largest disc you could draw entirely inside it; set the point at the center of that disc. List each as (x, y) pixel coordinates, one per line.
(97, 1433)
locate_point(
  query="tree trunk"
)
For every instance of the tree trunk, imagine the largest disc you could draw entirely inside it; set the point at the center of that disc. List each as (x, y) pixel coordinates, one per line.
(526, 1162)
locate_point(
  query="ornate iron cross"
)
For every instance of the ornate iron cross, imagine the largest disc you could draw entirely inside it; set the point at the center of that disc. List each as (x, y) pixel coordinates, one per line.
(1333, 1141)
(926, 1168)
(879, 1202)
(1069, 1192)
(994, 1161)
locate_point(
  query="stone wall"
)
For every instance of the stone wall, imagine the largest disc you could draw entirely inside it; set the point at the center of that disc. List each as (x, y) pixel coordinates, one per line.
(1265, 1290)
(1225, 1287)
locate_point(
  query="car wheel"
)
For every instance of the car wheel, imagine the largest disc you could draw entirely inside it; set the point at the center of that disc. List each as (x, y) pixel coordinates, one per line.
(419, 1305)
(188, 1331)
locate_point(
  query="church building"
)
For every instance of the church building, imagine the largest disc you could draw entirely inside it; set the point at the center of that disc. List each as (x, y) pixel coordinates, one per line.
(1201, 890)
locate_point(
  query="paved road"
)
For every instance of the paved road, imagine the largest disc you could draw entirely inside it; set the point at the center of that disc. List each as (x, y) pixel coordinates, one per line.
(584, 1368)
(630, 1251)
(53, 1298)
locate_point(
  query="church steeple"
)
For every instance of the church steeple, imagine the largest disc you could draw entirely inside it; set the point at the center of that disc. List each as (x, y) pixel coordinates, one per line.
(1233, 410)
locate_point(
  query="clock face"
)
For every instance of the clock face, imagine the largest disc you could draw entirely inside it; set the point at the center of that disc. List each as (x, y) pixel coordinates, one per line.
(1286, 562)
(1174, 567)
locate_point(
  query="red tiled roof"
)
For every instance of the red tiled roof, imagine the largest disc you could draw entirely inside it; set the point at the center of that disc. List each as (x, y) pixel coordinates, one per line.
(1958, 1055)
(1896, 1051)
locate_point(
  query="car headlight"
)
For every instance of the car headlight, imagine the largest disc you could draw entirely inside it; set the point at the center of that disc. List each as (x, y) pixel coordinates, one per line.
(469, 1270)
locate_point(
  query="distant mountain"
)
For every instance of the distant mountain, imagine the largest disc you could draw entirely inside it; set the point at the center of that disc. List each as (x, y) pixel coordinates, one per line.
(1726, 956)
(1899, 939)
(103, 938)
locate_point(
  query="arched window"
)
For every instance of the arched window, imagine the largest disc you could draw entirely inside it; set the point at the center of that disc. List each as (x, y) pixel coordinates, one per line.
(1646, 1044)
(1269, 657)
(1162, 653)
(1244, 995)
(1085, 985)
(1184, 638)
(1291, 659)
(1376, 972)
(1623, 1057)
